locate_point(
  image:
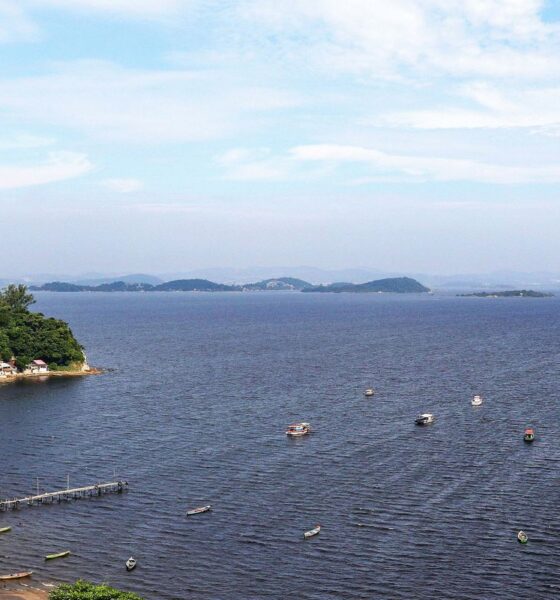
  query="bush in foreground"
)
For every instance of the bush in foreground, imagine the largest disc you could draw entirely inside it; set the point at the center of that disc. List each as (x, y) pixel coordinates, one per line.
(83, 590)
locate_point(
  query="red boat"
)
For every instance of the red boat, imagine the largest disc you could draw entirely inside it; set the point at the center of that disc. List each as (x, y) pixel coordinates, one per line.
(529, 434)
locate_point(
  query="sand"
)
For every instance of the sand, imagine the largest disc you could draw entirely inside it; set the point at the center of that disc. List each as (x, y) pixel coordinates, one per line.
(24, 591)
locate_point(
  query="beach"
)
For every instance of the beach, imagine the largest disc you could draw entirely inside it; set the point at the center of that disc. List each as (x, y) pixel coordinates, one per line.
(24, 591)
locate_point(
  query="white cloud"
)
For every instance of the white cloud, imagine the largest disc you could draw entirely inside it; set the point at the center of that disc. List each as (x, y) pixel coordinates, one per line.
(58, 166)
(494, 108)
(123, 186)
(15, 25)
(417, 168)
(109, 102)
(465, 38)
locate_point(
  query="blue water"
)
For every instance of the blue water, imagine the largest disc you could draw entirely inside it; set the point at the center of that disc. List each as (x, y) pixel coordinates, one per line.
(194, 409)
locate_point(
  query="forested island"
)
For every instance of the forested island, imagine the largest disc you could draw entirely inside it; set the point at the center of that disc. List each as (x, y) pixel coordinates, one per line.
(31, 343)
(399, 285)
(508, 294)
(394, 285)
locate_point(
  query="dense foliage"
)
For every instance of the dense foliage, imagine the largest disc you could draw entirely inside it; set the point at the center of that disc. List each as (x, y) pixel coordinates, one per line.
(28, 336)
(83, 590)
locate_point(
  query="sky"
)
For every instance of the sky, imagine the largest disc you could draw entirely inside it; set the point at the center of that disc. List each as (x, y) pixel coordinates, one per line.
(172, 135)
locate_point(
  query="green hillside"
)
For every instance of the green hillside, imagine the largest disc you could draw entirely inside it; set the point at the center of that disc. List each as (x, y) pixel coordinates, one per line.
(28, 336)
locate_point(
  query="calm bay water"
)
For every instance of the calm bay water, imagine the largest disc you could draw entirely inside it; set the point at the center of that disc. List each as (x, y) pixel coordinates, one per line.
(194, 411)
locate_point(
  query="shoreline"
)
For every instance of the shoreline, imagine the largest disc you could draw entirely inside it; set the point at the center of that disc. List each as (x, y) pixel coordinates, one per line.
(75, 373)
(26, 591)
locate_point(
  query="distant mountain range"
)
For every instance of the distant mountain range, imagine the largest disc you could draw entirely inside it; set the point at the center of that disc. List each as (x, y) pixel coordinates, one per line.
(498, 280)
(401, 285)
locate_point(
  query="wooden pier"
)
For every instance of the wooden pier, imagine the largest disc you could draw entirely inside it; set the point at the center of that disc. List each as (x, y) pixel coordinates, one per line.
(99, 489)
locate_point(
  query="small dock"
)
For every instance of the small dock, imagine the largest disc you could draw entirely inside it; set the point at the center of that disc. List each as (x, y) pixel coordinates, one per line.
(99, 489)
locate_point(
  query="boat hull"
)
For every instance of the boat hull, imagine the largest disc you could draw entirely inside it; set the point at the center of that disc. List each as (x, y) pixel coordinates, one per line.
(59, 555)
(311, 533)
(16, 576)
(198, 511)
(5, 529)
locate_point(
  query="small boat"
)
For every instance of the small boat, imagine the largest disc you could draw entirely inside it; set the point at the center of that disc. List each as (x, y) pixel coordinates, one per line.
(312, 532)
(529, 434)
(58, 555)
(199, 510)
(522, 537)
(16, 576)
(424, 419)
(369, 392)
(130, 564)
(477, 400)
(5, 529)
(298, 429)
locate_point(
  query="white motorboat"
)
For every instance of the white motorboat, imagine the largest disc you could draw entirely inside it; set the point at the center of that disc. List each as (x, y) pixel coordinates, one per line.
(312, 532)
(199, 510)
(425, 419)
(130, 564)
(369, 392)
(522, 537)
(298, 429)
(477, 400)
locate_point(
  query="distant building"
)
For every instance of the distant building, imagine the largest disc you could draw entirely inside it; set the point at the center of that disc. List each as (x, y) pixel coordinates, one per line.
(37, 366)
(7, 369)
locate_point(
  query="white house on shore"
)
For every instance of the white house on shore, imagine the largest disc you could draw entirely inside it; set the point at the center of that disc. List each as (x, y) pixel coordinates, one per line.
(6, 369)
(36, 366)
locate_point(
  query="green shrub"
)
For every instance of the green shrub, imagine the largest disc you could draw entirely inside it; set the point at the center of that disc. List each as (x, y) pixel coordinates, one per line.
(83, 590)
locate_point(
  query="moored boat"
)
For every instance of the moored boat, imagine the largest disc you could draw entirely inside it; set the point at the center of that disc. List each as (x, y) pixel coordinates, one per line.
(369, 392)
(57, 555)
(199, 510)
(130, 564)
(424, 419)
(529, 434)
(5, 529)
(522, 537)
(16, 576)
(298, 429)
(477, 400)
(312, 532)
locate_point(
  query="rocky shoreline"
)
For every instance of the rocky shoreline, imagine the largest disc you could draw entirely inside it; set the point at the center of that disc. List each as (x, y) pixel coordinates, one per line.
(48, 374)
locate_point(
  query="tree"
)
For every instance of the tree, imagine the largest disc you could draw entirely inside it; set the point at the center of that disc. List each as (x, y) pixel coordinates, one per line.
(83, 590)
(16, 297)
(29, 335)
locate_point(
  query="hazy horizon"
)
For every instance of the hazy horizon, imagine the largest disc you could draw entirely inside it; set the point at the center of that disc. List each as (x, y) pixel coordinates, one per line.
(500, 279)
(143, 137)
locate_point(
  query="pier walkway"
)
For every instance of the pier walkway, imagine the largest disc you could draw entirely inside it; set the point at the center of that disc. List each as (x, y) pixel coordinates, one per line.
(66, 495)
